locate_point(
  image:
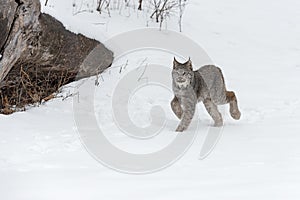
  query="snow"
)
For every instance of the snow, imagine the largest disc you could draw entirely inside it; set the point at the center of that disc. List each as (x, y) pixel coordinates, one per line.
(256, 43)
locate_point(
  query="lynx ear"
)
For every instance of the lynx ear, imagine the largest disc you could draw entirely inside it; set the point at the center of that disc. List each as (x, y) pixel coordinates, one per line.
(189, 64)
(175, 63)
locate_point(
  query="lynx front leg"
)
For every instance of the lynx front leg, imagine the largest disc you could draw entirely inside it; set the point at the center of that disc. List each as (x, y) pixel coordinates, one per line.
(213, 111)
(175, 105)
(188, 110)
(234, 110)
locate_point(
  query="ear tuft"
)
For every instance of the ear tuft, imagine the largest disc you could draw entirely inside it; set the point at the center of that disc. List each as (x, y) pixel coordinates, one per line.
(175, 63)
(189, 64)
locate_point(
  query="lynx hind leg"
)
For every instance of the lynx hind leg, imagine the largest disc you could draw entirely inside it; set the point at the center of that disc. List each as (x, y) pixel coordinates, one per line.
(232, 100)
(175, 105)
(213, 111)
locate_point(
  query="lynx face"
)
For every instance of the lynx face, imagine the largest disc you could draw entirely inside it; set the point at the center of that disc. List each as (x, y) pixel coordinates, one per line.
(182, 74)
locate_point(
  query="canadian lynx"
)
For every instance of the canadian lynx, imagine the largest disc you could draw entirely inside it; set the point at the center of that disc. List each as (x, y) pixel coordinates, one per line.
(205, 84)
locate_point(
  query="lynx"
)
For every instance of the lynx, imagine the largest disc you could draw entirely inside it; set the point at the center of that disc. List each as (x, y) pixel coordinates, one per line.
(205, 84)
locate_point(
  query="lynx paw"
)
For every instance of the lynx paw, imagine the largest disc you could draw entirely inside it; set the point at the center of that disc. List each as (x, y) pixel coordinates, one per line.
(180, 129)
(235, 114)
(218, 124)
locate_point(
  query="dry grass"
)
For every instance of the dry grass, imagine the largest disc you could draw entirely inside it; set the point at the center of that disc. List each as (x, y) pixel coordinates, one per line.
(31, 85)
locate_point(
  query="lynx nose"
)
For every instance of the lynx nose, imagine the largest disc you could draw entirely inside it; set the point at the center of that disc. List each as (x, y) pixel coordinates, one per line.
(180, 80)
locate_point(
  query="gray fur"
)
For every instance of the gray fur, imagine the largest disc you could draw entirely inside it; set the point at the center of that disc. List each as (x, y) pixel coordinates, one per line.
(205, 84)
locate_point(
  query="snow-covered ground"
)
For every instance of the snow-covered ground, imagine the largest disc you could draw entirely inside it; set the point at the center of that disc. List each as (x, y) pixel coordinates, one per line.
(256, 43)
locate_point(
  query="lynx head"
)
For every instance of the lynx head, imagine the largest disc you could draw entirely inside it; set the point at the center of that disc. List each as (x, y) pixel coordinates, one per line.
(182, 73)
